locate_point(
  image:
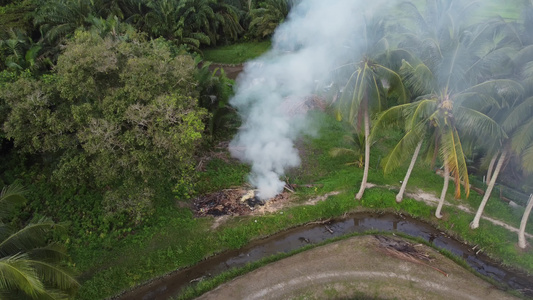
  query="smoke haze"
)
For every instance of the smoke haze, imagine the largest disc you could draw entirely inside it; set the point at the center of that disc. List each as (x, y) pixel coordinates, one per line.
(271, 89)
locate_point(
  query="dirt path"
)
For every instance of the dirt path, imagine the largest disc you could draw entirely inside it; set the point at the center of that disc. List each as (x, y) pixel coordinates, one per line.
(357, 267)
(432, 200)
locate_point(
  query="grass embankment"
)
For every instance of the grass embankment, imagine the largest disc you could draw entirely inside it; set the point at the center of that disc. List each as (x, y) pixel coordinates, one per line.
(236, 53)
(175, 239)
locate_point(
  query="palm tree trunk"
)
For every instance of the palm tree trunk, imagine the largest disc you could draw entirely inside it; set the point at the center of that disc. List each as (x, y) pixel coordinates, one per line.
(521, 233)
(444, 190)
(475, 223)
(359, 194)
(435, 152)
(399, 197)
(491, 166)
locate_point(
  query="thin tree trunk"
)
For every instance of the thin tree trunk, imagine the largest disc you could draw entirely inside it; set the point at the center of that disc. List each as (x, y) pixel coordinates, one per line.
(521, 233)
(435, 152)
(359, 195)
(491, 166)
(444, 190)
(399, 197)
(475, 222)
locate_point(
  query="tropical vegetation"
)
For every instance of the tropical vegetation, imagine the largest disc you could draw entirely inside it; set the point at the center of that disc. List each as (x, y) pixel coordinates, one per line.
(112, 117)
(30, 263)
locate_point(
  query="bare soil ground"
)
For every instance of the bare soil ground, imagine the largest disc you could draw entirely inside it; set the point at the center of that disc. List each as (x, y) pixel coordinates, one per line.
(228, 202)
(432, 200)
(232, 71)
(363, 268)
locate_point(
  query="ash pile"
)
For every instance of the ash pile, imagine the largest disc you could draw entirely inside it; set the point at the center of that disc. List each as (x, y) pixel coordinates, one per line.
(233, 202)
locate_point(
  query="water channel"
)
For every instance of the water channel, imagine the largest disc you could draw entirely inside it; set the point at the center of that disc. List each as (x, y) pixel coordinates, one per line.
(287, 241)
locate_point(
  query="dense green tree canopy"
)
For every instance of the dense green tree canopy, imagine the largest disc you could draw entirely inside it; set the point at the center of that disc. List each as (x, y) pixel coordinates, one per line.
(115, 113)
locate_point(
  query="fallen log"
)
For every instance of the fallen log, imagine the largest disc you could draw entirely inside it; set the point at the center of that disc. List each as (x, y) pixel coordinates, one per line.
(288, 189)
(506, 200)
(318, 222)
(478, 190)
(404, 250)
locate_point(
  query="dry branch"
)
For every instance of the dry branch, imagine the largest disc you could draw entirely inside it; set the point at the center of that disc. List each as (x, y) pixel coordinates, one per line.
(308, 185)
(288, 188)
(404, 250)
(318, 222)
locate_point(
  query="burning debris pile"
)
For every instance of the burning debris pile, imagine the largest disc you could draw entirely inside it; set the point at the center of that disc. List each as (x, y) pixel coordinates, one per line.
(293, 105)
(235, 202)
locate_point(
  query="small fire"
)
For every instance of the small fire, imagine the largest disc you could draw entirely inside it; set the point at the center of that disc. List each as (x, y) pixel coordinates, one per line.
(251, 199)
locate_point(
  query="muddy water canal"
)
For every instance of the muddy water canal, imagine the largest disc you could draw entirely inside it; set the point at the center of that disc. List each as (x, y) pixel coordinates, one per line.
(171, 284)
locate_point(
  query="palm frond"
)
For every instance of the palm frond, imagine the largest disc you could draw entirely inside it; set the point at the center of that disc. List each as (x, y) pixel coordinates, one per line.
(336, 152)
(32, 235)
(527, 159)
(452, 153)
(396, 82)
(17, 273)
(522, 137)
(518, 115)
(492, 92)
(523, 56)
(391, 117)
(10, 197)
(478, 124)
(420, 110)
(403, 149)
(52, 253)
(418, 79)
(53, 275)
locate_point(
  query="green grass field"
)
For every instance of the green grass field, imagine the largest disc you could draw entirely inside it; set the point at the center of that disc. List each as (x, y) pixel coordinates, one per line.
(509, 9)
(236, 53)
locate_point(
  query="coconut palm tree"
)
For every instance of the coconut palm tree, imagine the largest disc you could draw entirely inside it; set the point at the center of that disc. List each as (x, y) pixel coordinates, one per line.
(516, 119)
(515, 114)
(411, 142)
(193, 22)
(59, 18)
(454, 64)
(163, 18)
(516, 140)
(521, 233)
(198, 16)
(228, 20)
(369, 85)
(413, 116)
(356, 143)
(29, 261)
(267, 17)
(17, 50)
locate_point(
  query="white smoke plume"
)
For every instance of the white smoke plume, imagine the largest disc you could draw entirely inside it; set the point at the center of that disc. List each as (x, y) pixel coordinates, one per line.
(306, 48)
